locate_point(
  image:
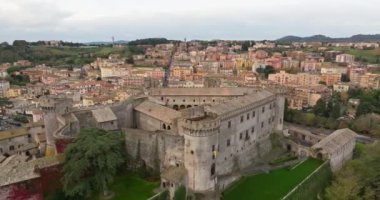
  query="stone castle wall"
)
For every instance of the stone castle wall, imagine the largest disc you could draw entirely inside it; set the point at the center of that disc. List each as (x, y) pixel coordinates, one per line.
(157, 149)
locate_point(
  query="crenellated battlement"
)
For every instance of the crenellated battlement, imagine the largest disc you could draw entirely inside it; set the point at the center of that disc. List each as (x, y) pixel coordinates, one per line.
(201, 128)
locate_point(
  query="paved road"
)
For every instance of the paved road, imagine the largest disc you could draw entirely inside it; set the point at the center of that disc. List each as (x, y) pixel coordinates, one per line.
(167, 70)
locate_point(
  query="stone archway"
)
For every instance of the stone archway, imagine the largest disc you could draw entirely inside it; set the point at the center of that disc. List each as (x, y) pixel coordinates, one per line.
(175, 107)
(182, 107)
(189, 106)
(319, 156)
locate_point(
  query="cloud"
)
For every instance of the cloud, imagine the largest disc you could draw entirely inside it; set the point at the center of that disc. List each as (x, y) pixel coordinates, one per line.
(88, 20)
(30, 15)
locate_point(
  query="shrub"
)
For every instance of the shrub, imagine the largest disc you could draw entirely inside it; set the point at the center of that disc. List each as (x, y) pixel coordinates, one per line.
(180, 193)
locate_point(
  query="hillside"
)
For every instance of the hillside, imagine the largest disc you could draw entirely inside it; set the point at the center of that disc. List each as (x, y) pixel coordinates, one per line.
(323, 38)
(57, 56)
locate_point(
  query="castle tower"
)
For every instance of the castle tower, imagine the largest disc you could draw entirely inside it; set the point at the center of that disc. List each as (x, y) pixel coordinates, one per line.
(280, 107)
(53, 109)
(201, 147)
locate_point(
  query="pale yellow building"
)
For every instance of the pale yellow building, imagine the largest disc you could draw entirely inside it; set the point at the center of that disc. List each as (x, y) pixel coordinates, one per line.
(13, 92)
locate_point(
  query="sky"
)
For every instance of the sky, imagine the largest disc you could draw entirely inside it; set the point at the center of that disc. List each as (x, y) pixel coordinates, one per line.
(99, 20)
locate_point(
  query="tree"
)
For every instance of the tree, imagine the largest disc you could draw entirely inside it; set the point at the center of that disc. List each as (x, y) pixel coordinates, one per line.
(335, 112)
(355, 92)
(364, 108)
(5, 102)
(21, 118)
(360, 178)
(180, 193)
(320, 107)
(345, 78)
(91, 162)
(266, 71)
(20, 43)
(245, 45)
(4, 44)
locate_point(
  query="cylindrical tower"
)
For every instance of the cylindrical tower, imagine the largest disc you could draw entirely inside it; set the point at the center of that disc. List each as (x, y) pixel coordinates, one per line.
(51, 125)
(53, 108)
(201, 146)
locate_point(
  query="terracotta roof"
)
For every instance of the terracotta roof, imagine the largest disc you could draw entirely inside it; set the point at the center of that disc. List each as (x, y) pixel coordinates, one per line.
(199, 91)
(157, 111)
(238, 103)
(335, 140)
(104, 115)
(17, 169)
(11, 133)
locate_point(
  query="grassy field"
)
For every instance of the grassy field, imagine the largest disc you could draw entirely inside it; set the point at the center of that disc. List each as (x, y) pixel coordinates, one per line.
(271, 186)
(62, 56)
(371, 56)
(132, 187)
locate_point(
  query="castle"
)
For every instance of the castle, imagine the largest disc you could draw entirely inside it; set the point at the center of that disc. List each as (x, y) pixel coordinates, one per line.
(192, 136)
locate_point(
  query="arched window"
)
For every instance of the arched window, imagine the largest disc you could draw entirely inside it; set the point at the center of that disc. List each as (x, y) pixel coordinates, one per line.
(11, 148)
(169, 127)
(213, 169)
(164, 126)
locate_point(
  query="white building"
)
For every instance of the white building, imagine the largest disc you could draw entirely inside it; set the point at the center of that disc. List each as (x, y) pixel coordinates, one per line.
(345, 58)
(4, 86)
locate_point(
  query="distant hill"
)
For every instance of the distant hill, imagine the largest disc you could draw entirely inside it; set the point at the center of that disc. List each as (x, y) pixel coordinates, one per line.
(150, 41)
(323, 38)
(107, 43)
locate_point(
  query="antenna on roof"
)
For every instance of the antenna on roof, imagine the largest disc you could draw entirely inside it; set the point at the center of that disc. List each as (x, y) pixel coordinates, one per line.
(113, 40)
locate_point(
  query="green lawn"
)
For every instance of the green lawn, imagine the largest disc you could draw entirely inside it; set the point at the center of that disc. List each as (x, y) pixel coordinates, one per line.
(131, 187)
(371, 55)
(271, 186)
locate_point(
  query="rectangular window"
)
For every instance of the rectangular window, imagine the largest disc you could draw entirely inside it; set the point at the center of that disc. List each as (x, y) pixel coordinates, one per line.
(229, 124)
(248, 116)
(252, 129)
(253, 114)
(241, 119)
(241, 136)
(263, 109)
(262, 124)
(213, 148)
(228, 142)
(246, 135)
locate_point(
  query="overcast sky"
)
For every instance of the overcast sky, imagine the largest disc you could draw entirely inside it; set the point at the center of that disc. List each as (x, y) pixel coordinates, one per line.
(99, 20)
